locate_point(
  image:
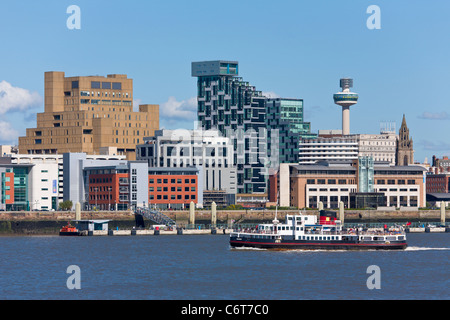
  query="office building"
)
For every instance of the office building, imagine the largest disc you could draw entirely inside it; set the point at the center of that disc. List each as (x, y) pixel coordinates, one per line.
(73, 174)
(333, 145)
(438, 183)
(134, 184)
(208, 151)
(381, 147)
(322, 148)
(14, 187)
(285, 128)
(174, 188)
(231, 105)
(331, 182)
(85, 114)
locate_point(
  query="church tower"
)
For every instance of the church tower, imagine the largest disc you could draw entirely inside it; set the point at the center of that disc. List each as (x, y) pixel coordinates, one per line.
(405, 152)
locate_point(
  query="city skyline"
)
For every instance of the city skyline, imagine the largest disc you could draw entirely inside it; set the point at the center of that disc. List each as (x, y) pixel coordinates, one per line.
(302, 53)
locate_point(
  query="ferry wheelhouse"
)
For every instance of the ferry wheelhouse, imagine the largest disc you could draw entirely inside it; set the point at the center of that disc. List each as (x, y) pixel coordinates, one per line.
(305, 232)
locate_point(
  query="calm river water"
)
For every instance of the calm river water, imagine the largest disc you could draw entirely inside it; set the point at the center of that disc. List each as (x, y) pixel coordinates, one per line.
(205, 268)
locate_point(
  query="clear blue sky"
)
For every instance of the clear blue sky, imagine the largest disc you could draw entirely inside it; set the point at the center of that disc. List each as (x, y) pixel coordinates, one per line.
(292, 48)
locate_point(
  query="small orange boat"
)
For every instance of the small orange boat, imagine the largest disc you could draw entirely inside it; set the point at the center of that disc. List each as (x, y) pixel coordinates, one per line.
(69, 230)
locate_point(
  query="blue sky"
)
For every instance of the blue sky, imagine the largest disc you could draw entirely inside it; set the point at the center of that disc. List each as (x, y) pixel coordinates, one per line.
(291, 48)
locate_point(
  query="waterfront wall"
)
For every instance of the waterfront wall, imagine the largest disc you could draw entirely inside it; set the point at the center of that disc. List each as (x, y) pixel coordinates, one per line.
(49, 223)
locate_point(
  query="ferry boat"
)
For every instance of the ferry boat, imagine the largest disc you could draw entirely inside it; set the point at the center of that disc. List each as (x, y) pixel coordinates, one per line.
(69, 230)
(305, 232)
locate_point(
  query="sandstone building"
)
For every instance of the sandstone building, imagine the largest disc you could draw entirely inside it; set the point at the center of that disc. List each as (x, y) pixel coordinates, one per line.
(89, 114)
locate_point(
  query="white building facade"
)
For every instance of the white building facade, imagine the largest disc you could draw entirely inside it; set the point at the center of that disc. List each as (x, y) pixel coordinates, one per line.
(207, 150)
(330, 145)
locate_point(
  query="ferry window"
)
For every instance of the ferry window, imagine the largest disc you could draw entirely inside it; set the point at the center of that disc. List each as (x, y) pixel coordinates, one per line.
(400, 238)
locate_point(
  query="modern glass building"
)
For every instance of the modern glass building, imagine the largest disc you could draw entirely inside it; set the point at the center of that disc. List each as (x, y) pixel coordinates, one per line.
(14, 188)
(366, 174)
(231, 105)
(286, 126)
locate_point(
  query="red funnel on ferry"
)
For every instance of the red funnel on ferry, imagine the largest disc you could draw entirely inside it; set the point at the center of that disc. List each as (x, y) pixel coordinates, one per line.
(327, 217)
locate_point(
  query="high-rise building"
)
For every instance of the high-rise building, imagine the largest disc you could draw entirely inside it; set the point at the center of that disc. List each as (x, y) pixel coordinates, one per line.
(85, 114)
(285, 128)
(231, 105)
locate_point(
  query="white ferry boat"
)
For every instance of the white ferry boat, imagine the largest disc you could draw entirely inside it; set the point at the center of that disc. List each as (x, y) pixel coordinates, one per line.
(305, 232)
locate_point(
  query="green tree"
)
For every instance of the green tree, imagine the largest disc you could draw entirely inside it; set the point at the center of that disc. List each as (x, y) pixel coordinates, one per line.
(66, 205)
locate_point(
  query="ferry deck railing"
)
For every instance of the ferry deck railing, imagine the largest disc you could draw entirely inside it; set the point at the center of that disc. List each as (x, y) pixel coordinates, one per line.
(349, 231)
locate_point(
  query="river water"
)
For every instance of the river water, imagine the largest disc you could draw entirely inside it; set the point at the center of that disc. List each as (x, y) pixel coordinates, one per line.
(206, 268)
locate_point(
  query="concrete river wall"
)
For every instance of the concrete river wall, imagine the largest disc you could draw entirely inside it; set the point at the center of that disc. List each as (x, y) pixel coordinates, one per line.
(49, 223)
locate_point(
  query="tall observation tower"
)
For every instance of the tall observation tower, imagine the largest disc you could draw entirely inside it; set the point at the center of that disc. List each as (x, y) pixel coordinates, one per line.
(346, 99)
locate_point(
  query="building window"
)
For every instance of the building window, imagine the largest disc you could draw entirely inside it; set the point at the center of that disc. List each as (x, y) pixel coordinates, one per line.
(95, 85)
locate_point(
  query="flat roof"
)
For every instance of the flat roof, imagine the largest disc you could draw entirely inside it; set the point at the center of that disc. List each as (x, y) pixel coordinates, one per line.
(438, 196)
(172, 169)
(116, 167)
(346, 165)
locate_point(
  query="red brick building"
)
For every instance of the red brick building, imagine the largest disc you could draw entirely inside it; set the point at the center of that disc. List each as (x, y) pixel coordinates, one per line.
(117, 187)
(438, 183)
(173, 187)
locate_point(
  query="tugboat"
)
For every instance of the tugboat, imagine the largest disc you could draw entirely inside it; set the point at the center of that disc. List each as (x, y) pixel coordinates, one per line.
(69, 230)
(305, 232)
